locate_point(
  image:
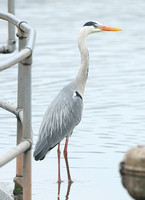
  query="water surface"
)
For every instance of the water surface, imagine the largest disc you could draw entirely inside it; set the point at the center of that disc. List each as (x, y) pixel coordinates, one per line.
(113, 118)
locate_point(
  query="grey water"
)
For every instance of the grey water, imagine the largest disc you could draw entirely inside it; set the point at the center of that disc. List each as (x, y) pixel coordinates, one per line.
(114, 111)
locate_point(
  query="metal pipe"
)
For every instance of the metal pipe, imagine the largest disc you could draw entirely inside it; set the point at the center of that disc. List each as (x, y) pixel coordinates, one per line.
(11, 27)
(20, 96)
(27, 50)
(22, 25)
(13, 153)
(11, 43)
(11, 6)
(24, 95)
(27, 132)
(12, 108)
(10, 18)
(15, 59)
(31, 34)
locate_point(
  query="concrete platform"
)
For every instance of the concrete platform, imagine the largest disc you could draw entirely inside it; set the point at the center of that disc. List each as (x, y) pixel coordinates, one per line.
(5, 191)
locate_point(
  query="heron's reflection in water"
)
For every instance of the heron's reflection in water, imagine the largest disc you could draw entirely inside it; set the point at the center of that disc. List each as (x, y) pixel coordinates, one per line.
(67, 193)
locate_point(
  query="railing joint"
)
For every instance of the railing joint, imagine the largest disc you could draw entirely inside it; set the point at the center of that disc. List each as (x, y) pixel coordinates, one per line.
(28, 60)
(21, 34)
(17, 112)
(29, 140)
(19, 25)
(8, 48)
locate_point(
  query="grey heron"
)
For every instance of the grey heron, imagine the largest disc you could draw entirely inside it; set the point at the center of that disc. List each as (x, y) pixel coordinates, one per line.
(65, 111)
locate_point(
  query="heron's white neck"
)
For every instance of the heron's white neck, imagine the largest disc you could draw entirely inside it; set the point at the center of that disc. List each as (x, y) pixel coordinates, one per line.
(83, 71)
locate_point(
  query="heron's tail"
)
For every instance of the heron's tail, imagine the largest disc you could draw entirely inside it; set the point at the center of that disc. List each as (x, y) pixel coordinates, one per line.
(41, 150)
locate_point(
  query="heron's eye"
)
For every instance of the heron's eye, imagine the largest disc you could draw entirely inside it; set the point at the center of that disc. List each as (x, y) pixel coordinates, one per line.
(95, 25)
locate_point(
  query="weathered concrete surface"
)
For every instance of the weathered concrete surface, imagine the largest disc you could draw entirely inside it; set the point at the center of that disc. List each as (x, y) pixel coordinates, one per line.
(5, 192)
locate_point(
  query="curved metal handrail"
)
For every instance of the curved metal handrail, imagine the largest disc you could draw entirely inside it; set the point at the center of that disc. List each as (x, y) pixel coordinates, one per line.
(12, 108)
(28, 49)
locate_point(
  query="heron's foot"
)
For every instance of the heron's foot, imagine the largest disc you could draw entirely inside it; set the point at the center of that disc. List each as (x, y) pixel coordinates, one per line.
(60, 181)
(70, 181)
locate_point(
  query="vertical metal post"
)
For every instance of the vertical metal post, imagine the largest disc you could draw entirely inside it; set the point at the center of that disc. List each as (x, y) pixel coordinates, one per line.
(20, 97)
(27, 132)
(24, 101)
(11, 27)
(27, 129)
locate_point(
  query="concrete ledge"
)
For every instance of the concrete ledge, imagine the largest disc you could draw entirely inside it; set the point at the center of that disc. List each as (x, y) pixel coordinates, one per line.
(5, 192)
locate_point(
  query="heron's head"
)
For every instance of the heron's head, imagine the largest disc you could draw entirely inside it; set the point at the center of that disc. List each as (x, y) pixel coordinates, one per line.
(94, 27)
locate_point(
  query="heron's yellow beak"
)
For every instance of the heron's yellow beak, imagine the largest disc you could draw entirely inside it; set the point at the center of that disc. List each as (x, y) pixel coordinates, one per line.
(109, 28)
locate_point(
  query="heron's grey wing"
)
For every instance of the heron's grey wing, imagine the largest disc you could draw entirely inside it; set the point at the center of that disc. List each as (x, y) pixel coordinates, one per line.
(60, 119)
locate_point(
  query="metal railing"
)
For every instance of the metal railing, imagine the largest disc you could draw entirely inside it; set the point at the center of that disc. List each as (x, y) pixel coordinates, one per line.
(23, 57)
(11, 43)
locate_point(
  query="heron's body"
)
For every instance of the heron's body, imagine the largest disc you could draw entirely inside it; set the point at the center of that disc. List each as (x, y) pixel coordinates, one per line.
(65, 112)
(60, 120)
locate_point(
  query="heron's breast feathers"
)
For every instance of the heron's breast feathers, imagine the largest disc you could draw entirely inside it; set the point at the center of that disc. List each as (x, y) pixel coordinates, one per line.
(62, 115)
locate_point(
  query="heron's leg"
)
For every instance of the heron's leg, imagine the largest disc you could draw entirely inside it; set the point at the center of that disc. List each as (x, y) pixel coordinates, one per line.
(58, 194)
(66, 161)
(68, 191)
(58, 154)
